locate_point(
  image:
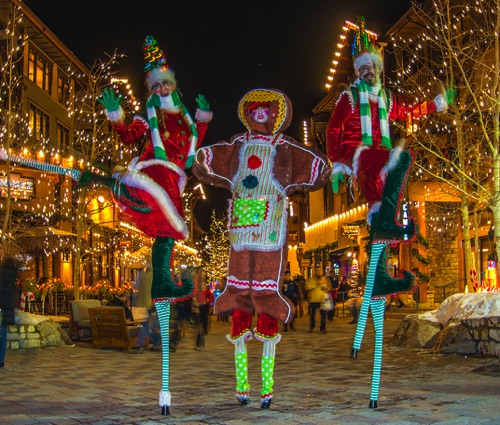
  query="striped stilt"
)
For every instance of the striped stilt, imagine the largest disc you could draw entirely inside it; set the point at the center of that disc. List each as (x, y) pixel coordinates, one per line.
(163, 310)
(378, 310)
(376, 252)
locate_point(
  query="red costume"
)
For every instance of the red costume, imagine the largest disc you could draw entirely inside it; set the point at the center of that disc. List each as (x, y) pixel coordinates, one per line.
(159, 183)
(343, 137)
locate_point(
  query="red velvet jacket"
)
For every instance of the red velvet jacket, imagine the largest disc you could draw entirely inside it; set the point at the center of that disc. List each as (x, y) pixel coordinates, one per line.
(343, 132)
(175, 136)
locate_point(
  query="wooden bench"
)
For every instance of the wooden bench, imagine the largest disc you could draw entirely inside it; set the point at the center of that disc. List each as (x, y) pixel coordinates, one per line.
(111, 330)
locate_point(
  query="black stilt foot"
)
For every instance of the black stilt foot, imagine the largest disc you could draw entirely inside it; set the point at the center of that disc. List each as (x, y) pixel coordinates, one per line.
(165, 410)
(354, 353)
(373, 404)
(265, 404)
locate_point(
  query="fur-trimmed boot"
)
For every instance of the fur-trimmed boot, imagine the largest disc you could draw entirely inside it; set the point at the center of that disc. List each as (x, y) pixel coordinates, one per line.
(120, 191)
(387, 228)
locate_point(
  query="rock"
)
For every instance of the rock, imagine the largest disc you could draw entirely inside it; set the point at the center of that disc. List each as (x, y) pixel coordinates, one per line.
(416, 332)
(456, 338)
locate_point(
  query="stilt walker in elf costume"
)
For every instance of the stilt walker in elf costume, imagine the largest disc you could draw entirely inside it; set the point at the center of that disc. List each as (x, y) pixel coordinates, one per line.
(260, 167)
(149, 191)
(359, 145)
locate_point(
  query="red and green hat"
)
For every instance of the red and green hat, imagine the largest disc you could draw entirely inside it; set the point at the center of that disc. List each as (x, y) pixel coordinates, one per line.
(156, 66)
(364, 48)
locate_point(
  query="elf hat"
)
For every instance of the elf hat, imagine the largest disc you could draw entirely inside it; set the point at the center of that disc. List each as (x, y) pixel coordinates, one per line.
(156, 66)
(364, 49)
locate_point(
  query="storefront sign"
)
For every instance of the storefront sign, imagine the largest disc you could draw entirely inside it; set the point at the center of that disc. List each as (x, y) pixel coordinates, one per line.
(350, 230)
(20, 187)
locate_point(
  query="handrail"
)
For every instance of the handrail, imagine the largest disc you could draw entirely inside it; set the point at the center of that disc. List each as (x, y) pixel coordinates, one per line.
(454, 282)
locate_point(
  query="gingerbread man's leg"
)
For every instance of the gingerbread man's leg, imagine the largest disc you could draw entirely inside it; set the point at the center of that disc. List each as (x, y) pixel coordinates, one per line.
(267, 279)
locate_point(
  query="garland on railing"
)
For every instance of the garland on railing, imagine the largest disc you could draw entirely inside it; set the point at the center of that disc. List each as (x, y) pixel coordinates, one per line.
(419, 257)
(422, 240)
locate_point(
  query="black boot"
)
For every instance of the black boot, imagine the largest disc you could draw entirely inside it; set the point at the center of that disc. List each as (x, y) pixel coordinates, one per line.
(163, 285)
(386, 227)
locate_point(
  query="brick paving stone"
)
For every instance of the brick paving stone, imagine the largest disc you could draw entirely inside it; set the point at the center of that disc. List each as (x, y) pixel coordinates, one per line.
(315, 383)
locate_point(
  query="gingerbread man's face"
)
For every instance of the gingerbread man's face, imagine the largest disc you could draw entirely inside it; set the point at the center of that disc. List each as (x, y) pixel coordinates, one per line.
(265, 111)
(260, 114)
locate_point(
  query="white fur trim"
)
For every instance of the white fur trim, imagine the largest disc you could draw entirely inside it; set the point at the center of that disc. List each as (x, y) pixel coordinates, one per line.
(355, 158)
(270, 343)
(135, 178)
(116, 115)
(339, 167)
(366, 58)
(203, 116)
(393, 160)
(441, 103)
(374, 209)
(165, 398)
(159, 74)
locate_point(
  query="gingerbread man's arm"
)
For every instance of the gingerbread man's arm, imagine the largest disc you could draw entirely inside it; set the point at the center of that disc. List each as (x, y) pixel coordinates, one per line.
(300, 168)
(215, 164)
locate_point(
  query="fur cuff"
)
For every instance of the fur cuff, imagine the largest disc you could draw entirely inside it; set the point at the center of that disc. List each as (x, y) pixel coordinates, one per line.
(374, 209)
(165, 398)
(355, 159)
(262, 338)
(441, 103)
(203, 116)
(339, 167)
(245, 336)
(393, 160)
(115, 116)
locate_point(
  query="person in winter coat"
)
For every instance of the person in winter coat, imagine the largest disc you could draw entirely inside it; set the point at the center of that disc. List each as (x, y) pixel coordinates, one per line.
(8, 278)
(317, 287)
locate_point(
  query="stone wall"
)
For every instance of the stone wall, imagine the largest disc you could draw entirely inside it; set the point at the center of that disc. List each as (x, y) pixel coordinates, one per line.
(45, 334)
(470, 336)
(442, 252)
(467, 336)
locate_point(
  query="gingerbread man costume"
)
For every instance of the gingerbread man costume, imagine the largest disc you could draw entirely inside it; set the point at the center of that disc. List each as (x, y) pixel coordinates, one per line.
(261, 168)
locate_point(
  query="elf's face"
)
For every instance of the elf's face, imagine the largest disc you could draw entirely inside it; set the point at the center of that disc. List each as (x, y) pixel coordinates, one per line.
(260, 114)
(163, 88)
(369, 73)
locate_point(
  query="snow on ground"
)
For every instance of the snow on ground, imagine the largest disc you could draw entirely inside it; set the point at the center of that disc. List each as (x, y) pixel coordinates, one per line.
(465, 306)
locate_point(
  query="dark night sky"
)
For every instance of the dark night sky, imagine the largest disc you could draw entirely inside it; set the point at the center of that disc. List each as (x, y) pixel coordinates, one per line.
(221, 48)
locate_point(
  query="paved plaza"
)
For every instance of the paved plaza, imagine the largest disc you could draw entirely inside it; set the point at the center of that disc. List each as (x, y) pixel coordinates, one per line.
(315, 383)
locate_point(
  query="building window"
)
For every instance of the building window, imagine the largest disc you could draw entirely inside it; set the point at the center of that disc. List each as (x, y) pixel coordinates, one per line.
(63, 88)
(38, 124)
(39, 70)
(62, 140)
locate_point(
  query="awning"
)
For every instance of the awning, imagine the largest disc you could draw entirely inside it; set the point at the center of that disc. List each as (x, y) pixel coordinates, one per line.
(340, 251)
(45, 237)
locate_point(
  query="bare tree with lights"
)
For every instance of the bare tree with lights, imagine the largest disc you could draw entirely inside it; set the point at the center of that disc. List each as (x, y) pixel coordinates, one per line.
(95, 144)
(461, 149)
(13, 120)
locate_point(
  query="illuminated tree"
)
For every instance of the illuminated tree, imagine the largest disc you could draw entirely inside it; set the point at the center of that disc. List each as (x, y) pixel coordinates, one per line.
(97, 148)
(217, 248)
(457, 46)
(13, 120)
